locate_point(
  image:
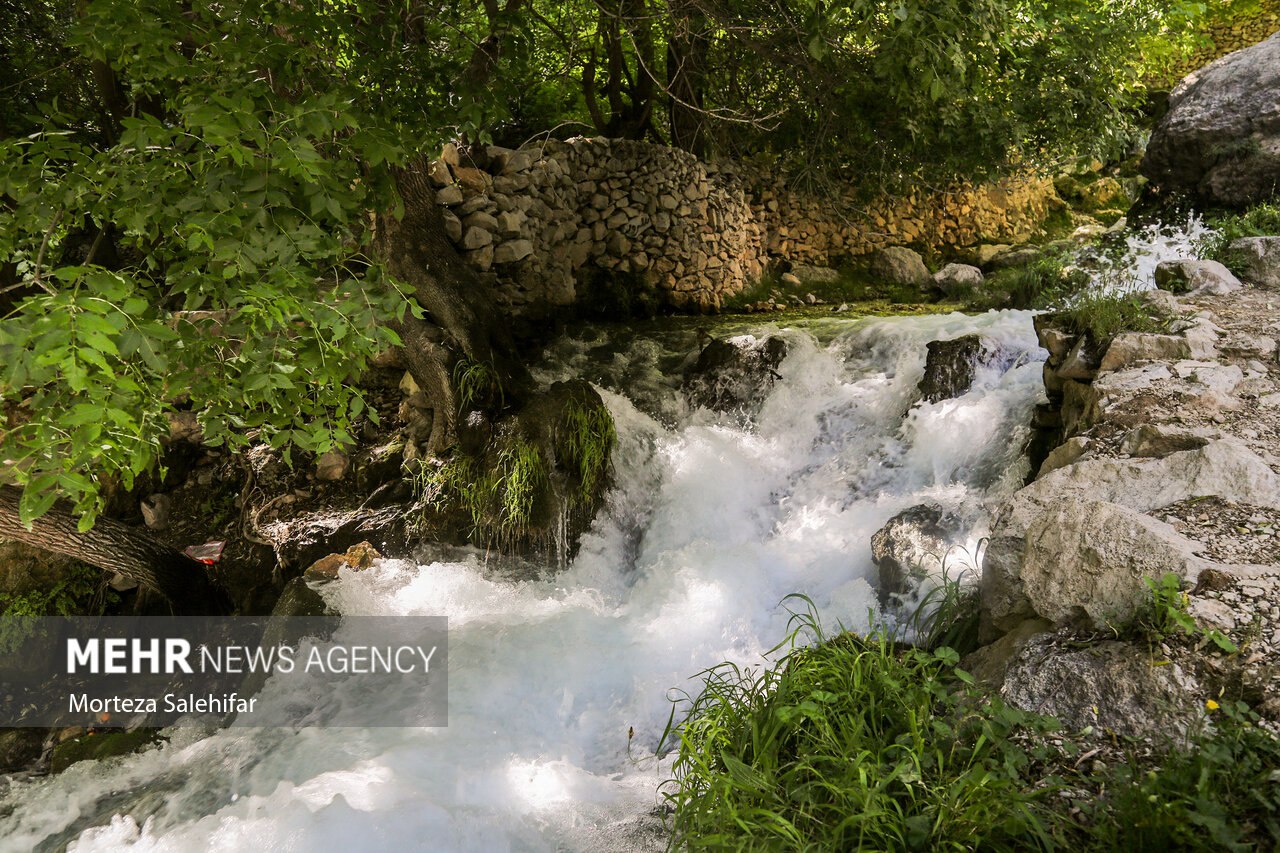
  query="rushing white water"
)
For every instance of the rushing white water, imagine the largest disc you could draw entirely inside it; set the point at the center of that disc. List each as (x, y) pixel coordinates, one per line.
(713, 521)
(1131, 264)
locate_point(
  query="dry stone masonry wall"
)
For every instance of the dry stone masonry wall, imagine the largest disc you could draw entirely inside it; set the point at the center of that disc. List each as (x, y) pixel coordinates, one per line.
(551, 221)
(1225, 37)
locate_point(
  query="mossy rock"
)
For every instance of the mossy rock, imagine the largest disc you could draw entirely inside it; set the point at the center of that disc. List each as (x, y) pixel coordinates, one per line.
(100, 745)
(537, 483)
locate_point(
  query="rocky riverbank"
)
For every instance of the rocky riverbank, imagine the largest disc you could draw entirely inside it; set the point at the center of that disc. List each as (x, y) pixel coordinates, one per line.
(1168, 463)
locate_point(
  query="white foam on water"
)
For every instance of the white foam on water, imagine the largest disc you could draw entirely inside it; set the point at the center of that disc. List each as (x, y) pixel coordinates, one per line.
(1133, 266)
(710, 525)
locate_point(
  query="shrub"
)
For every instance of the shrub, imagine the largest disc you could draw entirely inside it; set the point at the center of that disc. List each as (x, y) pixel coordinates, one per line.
(1223, 794)
(81, 592)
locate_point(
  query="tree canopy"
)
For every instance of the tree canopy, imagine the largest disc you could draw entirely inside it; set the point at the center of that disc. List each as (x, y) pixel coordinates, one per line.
(188, 190)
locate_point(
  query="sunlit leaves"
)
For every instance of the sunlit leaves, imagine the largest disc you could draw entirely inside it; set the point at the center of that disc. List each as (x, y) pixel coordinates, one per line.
(236, 198)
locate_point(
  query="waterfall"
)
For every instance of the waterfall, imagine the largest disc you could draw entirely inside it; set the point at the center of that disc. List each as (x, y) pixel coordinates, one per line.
(560, 682)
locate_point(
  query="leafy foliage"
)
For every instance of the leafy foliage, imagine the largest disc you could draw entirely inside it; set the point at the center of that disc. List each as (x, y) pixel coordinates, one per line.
(1165, 614)
(1224, 793)
(210, 250)
(80, 592)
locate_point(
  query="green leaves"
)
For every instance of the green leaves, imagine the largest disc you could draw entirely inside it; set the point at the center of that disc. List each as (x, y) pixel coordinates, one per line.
(234, 199)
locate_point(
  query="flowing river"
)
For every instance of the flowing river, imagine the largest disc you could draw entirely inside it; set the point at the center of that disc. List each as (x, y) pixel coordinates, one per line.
(561, 681)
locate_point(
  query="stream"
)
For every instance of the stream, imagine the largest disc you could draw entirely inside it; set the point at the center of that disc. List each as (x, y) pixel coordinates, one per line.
(561, 681)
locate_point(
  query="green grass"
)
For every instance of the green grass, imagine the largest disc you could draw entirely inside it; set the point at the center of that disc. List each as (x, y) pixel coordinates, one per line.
(853, 286)
(585, 441)
(852, 744)
(1102, 316)
(861, 743)
(1042, 283)
(500, 501)
(1222, 794)
(477, 385)
(1262, 220)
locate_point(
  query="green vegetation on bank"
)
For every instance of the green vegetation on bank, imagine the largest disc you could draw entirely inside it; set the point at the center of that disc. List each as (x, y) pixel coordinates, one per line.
(1261, 220)
(80, 592)
(865, 743)
(185, 191)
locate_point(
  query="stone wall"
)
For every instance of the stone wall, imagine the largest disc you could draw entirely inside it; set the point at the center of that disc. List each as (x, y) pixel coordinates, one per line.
(823, 231)
(552, 221)
(1225, 36)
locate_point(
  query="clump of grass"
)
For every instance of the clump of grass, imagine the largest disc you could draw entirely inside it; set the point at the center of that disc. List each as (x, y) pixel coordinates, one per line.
(1261, 220)
(860, 743)
(584, 441)
(521, 477)
(1103, 315)
(477, 384)
(1042, 283)
(1222, 794)
(947, 617)
(853, 744)
(500, 500)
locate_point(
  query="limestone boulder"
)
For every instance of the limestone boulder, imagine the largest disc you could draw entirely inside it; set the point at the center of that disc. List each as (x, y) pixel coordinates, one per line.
(1158, 440)
(957, 277)
(915, 544)
(1084, 562)
(1129, 348)
(902, 266)
(1219, 142)
(1196, 278)
(807, 275)
(1225, 468)
(1258, 259)
(1109, 685)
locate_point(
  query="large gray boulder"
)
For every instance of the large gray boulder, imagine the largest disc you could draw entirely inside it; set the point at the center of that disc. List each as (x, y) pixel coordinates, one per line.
(1024, 529)
(957, 277)
(1084, 562)
(900, 265)
(735, 373)
(1220, 140)
(1257, 258)
(913, 545)
(1108, 685)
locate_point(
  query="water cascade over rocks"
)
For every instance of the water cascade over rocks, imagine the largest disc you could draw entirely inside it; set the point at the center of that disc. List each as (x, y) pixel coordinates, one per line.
(715, 518)
(559, 681)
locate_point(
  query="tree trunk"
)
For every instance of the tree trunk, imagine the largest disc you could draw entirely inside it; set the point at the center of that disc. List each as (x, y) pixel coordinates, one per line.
(463, 320)
(116, 547)
(686, 70)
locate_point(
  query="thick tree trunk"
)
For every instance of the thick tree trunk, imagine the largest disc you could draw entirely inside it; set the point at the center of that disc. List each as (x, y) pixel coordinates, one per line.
(462, 321)
(116, 547)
